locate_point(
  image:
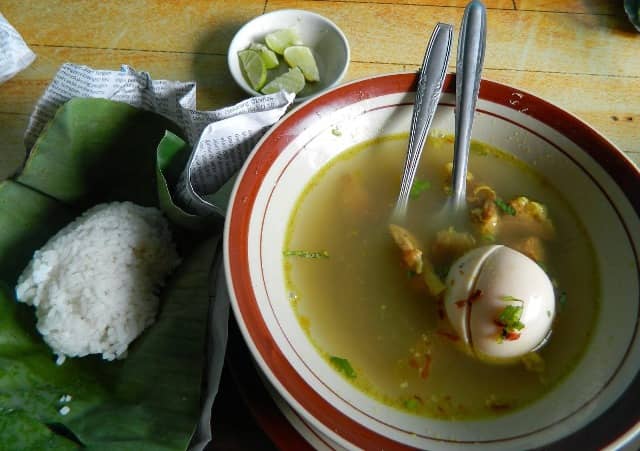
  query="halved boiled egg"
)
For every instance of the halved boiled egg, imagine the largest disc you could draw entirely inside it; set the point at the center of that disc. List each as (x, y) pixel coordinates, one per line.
(500, 302)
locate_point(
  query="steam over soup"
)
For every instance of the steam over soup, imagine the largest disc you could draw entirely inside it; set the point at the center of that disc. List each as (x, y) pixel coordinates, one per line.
(374, 308)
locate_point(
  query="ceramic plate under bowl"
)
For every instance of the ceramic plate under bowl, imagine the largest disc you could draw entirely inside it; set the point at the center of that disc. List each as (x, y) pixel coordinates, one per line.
(595, 405)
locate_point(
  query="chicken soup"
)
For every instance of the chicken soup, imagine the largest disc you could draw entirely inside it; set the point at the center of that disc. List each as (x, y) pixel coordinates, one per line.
(370, 292)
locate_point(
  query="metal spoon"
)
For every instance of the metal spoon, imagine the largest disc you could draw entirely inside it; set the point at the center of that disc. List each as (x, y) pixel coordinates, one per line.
(428, 91)
(471, 45)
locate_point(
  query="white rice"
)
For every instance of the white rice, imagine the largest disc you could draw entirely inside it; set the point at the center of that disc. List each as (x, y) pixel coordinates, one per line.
(95, 283)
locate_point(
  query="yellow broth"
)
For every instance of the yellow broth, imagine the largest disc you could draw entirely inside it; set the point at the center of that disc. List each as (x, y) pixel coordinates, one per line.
(359, 305)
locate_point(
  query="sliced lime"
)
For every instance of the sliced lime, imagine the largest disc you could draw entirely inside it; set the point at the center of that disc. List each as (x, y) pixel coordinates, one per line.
(268, 56)
(281, 39)
(253, 67)
(292, 81)
(302, 57)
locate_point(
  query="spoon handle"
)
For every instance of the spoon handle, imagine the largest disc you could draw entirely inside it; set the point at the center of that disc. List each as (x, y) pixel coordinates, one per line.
(471, 45)
(430, 80)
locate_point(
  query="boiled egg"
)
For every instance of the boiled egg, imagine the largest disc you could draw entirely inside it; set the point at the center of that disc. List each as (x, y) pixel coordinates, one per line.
(500, 303)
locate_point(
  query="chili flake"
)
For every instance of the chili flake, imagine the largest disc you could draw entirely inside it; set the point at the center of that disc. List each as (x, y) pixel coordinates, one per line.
(473, 297)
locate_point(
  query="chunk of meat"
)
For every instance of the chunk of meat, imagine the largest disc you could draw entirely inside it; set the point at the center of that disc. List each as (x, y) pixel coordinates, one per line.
(478, 195)
(484, 212)
(414, 259)
(450, 244)
(531, 246)
(530, 219)
(527, 207)
(409, 246)
(486, 219)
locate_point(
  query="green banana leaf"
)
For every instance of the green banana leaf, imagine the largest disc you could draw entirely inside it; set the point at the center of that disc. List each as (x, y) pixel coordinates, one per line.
(632, 8)
(97, 151)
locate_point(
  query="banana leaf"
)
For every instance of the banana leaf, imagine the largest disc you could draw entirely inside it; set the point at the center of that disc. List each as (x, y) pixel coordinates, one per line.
(632, 8)
(97, 151)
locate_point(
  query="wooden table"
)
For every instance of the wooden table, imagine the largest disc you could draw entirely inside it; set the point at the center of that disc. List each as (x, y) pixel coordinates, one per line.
(583, 55)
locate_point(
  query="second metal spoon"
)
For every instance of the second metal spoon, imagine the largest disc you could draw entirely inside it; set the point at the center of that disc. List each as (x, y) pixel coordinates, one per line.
(430, 80)
(471, 45)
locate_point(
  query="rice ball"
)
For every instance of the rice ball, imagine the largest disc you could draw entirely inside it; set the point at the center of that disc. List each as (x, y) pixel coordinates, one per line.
(95, 283)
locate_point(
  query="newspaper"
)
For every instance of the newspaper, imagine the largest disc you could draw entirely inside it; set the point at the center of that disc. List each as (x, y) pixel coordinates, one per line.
(221, 139)
(14, 53)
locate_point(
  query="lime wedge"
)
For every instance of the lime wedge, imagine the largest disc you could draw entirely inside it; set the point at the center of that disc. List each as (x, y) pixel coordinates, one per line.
(268, 56)
(292, 81)
(302, 57)
(253, 67)
(281, 39)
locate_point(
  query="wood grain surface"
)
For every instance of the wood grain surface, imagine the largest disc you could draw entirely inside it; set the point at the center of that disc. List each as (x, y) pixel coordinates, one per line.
(582, 55)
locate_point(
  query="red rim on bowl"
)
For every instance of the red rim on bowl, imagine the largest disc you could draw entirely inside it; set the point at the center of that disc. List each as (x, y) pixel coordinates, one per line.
(622, 416)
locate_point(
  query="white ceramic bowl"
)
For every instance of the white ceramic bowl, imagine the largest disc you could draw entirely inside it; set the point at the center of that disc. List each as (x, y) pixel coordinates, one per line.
(327, 42)
(596, 405)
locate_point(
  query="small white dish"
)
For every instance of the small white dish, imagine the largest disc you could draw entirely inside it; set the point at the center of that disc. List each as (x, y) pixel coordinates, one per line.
(327, 42)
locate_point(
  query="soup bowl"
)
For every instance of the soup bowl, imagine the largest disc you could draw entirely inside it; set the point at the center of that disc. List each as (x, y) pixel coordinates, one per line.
(595, 405)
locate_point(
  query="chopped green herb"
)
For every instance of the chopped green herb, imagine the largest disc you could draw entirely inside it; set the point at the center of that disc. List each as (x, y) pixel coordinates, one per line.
(562, 299)
(306, 254)
(509, 319)
(488, 238)
(411, 404)
(343, 366)
(441, 271)
(548, 313)
(336, 131)
(511, 299)
(418, 187)
(479, 149)
(505, 207)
